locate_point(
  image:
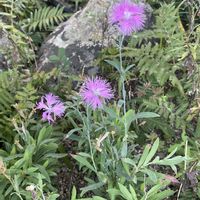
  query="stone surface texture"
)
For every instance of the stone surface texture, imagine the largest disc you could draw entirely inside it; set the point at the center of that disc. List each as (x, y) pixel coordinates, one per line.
(8, 51)
(82, 36)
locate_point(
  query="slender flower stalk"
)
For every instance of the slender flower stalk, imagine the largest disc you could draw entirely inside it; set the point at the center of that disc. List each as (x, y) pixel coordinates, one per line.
(122, 74)
(129, 17)
(89, 139)
(94, 92)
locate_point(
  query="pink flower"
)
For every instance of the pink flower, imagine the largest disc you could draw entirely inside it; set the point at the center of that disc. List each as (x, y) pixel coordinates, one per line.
(51, 106)
(95, 91)
(128, 16)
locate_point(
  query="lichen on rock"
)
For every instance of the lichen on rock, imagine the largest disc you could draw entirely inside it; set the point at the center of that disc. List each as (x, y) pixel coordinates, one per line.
(82, 36)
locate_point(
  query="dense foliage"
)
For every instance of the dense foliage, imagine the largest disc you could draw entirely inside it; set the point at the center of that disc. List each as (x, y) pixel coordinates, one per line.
(142, 145)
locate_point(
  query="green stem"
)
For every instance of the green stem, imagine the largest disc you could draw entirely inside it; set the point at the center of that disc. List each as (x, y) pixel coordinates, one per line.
(186, 151)
(89, 140)
(41, 191)
(103, 121)
(110, 147)
(122, 76)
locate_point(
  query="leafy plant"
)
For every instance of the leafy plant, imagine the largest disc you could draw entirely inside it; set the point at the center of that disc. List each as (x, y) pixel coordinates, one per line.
(129, 193)
(164, 78)
(30, 164)
(161, 73)
(28, 149)
(21, 19)
(44, 18)
(107, 155)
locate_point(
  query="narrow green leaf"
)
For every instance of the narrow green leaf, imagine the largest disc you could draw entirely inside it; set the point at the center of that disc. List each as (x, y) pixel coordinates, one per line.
(113, 192)
(145, 115)
(73, 196)
(162, 195)
(92, 187)
(98, 198)
(144, 155)
(125, 193)
(114, 63)
(152, 152)
(129, 161)
(124, 149)
(83, 161)
(133, 193)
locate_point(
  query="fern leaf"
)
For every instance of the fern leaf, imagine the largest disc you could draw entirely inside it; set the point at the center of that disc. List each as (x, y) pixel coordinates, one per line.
(44, 18)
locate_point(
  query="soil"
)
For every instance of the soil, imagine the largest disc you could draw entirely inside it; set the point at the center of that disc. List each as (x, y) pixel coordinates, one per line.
(69, 174)
(66, 179)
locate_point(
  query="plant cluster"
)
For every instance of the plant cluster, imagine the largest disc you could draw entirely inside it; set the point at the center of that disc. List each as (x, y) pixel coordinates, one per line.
(26, 23)
(28, 148)
(135, 139)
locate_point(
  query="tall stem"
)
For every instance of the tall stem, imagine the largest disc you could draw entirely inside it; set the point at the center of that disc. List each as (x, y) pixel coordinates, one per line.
(122, 77)
(89, 140)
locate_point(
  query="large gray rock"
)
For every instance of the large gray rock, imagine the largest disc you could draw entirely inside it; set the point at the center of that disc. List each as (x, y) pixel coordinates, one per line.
(82, 37)
(8, 51)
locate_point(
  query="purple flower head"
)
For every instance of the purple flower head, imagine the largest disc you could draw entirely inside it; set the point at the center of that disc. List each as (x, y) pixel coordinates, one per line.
(128, 16)
(51, 106)
(95, 91)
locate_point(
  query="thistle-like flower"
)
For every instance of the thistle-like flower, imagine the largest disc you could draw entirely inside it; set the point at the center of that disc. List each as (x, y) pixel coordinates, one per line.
(128, 16)
(95, 91)
(51, 106)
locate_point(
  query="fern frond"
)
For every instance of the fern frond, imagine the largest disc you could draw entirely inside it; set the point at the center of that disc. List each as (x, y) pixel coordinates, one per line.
(6, 100)
(7, 83)
(44, 18)
(7, 89)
